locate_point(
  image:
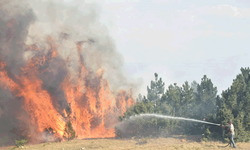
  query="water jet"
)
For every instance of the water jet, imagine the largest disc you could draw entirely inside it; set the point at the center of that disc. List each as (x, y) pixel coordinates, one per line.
(171, 117)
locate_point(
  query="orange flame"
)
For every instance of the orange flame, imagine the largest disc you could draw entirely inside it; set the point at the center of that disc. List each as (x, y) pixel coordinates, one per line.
(92, 109)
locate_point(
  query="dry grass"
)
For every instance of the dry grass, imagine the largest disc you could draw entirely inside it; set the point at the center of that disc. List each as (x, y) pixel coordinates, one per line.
(173, 143)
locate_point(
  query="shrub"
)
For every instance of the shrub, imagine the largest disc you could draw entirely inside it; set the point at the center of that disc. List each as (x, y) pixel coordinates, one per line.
(69, 132)
(146, 127)
(20, 143)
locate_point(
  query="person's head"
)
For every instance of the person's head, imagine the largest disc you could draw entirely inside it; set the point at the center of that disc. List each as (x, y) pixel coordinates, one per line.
(230, 121)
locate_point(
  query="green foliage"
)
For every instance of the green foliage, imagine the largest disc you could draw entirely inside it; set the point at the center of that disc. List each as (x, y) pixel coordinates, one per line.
(235, 104)
(145, 127)
(205, 139)
(182, 101)
(69, 132)
(138, 108)
(198, 101)
(20, 143)
(156, 88)
(179, 99)
(206, 98)
(155, 127)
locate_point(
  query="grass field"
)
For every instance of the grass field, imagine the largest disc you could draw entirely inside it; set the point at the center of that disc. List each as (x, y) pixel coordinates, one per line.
(171, 143)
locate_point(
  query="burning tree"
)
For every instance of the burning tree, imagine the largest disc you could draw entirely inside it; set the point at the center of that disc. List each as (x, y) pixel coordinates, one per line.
(69, 131)
(40, 74)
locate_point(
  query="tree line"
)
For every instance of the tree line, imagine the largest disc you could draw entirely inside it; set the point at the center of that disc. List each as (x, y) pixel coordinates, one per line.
(197, 101)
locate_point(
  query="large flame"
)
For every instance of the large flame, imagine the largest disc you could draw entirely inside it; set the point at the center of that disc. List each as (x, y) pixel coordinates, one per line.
(56, 70)
(91, 106)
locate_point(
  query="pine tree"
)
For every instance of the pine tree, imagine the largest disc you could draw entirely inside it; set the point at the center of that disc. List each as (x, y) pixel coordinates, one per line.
(156, 89)
(187, 100)
(69, 132)
(235, 105)
(206, 98)
(173, 94)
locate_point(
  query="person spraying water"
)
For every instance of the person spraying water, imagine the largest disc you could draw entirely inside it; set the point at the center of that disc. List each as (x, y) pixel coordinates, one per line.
(230, 126)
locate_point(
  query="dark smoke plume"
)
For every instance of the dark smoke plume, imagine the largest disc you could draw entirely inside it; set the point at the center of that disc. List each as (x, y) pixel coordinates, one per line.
(26, 30)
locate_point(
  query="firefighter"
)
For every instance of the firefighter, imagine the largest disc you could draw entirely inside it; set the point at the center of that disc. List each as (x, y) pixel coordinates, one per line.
(230, 126)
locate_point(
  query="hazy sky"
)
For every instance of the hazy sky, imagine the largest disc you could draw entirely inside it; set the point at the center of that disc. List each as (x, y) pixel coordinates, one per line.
(181, 40)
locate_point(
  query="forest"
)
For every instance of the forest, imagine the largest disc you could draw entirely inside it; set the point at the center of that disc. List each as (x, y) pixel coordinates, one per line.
(197, 101)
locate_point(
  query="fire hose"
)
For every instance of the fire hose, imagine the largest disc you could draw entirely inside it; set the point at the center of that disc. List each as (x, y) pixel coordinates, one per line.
(228, 137)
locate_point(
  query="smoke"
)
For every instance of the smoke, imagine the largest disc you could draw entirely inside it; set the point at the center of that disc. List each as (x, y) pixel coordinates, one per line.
(63, 40)
(14, 23)
(80, 23)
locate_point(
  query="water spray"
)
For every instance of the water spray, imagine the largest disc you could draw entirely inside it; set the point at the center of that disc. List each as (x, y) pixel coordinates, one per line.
(171, 117)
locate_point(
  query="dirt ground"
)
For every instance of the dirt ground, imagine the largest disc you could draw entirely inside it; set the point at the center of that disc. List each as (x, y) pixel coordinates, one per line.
(171, 143)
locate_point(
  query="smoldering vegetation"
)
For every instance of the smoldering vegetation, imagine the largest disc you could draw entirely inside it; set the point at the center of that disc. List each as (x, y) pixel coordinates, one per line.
(50, 43)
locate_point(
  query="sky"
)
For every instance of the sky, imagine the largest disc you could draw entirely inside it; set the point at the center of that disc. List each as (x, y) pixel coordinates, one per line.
(181, 40)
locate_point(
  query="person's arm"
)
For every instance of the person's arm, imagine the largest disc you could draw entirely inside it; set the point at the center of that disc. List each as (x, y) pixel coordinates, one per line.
(229, 128)
(225, 126)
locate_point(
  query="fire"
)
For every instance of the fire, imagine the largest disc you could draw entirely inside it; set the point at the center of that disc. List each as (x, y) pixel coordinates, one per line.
(91, 106)
(65, 113)
(56, 73)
